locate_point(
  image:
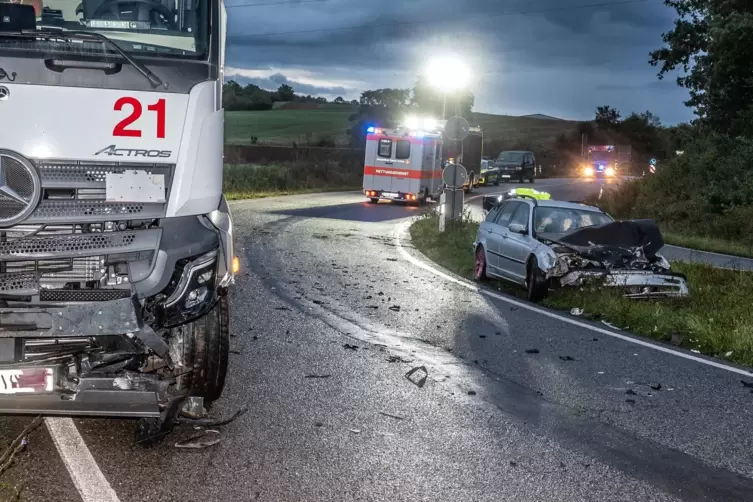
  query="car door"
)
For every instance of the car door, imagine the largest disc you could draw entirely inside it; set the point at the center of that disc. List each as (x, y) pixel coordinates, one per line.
(517, 247)
(496, 238)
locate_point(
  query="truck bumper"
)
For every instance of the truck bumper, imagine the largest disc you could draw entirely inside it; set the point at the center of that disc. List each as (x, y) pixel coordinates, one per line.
(111, 358)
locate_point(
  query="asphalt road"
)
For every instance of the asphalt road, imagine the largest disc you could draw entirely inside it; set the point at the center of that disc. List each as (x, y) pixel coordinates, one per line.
(586, 417)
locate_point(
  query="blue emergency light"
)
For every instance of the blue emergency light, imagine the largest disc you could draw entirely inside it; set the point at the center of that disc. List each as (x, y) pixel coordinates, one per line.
(371, 129)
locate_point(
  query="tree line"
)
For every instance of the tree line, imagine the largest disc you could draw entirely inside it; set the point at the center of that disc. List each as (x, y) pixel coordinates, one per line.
(236, 97)
(386, 107)
(708, 190)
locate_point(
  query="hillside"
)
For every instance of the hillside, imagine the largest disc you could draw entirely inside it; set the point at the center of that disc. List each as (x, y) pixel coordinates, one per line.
(309, 122)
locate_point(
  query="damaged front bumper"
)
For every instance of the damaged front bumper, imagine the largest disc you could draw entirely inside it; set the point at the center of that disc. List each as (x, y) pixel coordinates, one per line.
(637, 283)
(121, 357)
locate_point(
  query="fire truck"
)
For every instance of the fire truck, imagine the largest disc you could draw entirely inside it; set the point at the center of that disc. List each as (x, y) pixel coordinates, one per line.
(403, 164)
(607, 161)
(116, 253)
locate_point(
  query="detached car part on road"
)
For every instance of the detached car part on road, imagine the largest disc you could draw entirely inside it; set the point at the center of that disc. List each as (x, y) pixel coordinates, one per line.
(538, 243)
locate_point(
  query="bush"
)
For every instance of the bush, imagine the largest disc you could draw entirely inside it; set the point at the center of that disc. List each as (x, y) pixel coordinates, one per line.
(707, 191)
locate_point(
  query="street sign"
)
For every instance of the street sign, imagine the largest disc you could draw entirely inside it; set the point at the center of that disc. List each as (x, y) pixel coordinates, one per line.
(454, 176)
(652, 162)
(652, 168)
(457, 128)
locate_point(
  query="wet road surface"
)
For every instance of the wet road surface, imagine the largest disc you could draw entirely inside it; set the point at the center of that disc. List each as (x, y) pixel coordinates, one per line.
(328, 316)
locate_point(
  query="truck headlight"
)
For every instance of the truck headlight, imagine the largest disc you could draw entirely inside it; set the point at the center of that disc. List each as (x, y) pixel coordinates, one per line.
(588, 171)
(609, 171)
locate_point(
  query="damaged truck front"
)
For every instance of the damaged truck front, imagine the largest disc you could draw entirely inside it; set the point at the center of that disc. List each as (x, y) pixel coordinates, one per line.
(617, 254)
(116, 244)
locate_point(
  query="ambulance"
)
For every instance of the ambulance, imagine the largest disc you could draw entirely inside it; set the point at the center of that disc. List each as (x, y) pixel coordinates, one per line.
(404, 164)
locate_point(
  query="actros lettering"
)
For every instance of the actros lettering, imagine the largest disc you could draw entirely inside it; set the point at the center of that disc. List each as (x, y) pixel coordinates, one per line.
(113, 150)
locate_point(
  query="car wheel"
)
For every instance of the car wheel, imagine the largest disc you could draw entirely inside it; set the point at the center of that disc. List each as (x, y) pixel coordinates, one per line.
(537, 285)
(205, 349)
(479, 265)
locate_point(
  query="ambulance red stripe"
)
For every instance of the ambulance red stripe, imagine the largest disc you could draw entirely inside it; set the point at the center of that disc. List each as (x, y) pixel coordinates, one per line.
(401, 173)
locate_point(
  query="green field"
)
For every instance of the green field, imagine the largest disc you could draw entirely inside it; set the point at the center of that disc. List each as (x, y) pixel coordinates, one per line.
(283, 126)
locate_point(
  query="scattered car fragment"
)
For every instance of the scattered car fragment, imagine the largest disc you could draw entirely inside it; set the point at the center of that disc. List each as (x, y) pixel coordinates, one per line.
(531, 240)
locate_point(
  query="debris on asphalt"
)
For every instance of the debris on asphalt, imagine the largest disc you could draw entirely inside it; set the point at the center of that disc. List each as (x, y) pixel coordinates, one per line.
(630, 401)
(348, 346)
(418, 381)
(747, 384)
(497, 333)
(395, 308)
(567, 358)
(576, 311)
(355, 431)
(532, 351)
(655, 386)
(391, 259)
(513, 463)
(391, 415)
(200, 441)
(282, 308)
(594, 339)
(631, 392)
(397, 359)
(318, 424)
(236, 352)
(482, 336)
(317, 376)
(471, 392)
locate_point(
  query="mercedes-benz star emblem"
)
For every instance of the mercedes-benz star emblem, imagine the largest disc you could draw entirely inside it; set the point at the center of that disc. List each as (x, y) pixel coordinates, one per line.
(4, 93)
(20, 188)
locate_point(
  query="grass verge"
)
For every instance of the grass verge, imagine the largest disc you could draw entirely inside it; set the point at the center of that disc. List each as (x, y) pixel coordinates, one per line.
(251, 181)
(714, 320)
(712, 244)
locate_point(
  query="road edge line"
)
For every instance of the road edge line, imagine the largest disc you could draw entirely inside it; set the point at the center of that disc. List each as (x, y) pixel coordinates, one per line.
(86, 475)
(403, 228)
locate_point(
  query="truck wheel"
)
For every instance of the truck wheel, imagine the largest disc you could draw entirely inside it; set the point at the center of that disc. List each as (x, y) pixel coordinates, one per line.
(373, 201)
(206, 348)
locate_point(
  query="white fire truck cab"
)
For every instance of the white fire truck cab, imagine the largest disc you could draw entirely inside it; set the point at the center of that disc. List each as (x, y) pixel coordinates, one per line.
(403, 164)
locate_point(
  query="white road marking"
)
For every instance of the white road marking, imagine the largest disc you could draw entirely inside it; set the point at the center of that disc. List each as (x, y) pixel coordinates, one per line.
(402, 229)
(85, 473)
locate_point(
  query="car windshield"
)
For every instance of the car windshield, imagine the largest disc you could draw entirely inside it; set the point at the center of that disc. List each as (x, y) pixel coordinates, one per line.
(559, 220)
(172, 28)
(510, 157)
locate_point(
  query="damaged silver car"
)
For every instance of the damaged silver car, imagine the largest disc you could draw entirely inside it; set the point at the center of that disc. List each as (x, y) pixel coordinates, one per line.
(543, 243)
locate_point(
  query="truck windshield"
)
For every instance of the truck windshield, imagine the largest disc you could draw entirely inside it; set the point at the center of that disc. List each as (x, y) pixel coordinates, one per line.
(154, 28)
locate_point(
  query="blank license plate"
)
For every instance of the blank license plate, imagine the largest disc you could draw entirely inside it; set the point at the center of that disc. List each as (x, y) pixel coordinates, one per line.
(390, 195)
(505, 175)
(26, 380)
(135, 186)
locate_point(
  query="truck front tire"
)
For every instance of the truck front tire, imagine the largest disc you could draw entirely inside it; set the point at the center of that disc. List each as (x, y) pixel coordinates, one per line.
(206, 348)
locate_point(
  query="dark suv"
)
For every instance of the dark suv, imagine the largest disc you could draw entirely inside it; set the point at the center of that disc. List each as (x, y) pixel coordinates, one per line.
(516, 165)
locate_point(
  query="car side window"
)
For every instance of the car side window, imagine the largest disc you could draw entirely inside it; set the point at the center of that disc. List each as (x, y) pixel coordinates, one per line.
(507, 211)
(493, 214)
(521, 215)
(529, 158)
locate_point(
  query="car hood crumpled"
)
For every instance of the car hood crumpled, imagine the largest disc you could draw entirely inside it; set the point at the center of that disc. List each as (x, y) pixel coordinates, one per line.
(625, 252)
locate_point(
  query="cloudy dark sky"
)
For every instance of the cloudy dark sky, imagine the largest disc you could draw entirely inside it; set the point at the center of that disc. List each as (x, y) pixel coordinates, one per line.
(556, 57)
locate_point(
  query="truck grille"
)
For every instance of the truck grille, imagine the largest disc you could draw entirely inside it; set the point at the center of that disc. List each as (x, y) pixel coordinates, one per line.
(75, 191)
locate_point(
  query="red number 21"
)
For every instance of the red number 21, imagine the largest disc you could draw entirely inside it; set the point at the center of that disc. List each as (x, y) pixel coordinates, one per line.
(121, 128)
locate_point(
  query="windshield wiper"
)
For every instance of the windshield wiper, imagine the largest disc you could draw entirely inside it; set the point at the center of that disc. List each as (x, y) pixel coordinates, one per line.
(55, 32)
